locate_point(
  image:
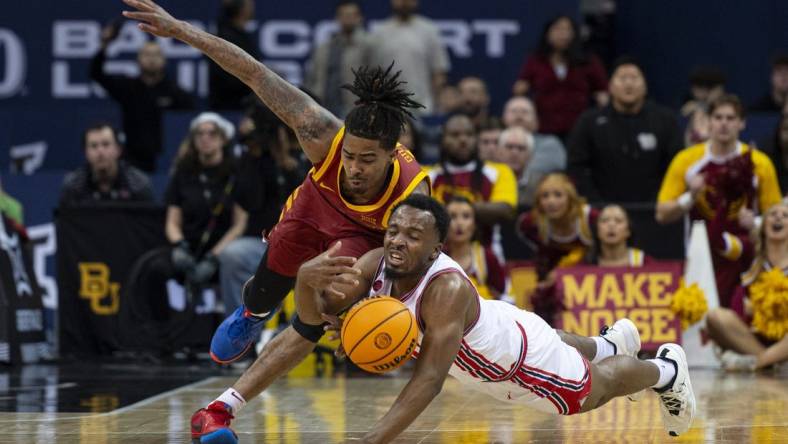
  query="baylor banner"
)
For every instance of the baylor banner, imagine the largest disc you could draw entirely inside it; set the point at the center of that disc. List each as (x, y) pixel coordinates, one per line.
(97, 246)
(595, 296)
(21, 311)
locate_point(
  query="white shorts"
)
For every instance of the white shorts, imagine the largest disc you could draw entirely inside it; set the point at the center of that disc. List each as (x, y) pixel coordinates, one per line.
(550, 376)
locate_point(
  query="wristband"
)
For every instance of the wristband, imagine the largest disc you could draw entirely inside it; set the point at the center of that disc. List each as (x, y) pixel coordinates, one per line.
(686, 201)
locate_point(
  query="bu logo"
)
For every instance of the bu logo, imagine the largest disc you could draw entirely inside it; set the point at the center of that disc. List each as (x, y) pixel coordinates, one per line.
(96, 287)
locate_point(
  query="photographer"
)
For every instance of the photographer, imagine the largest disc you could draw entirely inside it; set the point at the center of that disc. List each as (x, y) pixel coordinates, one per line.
(271, 167)
(204, 213)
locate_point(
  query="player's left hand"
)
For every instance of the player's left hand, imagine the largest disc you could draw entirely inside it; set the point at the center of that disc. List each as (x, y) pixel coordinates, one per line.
(153, 18)
(334, 327)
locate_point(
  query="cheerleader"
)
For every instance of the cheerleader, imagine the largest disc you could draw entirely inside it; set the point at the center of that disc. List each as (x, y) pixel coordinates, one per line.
(558, 230)
(752, 332)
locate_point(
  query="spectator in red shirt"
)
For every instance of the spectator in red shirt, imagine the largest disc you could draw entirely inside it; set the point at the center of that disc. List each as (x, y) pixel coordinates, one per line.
(561, 77)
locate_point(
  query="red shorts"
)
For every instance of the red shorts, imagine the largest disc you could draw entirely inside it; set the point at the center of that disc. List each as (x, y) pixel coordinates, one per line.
(292, 242)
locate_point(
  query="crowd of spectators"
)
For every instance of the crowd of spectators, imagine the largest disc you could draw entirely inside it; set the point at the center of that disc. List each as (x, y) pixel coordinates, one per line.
(572, 134)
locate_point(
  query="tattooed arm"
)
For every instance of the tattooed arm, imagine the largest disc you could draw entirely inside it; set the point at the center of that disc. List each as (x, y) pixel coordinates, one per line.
(314, 125)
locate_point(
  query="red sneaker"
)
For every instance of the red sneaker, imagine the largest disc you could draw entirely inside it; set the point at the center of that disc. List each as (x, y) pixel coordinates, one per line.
(211, 425)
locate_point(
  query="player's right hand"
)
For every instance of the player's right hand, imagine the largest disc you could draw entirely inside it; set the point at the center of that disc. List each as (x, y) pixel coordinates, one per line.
(326, 271)
(153, 18)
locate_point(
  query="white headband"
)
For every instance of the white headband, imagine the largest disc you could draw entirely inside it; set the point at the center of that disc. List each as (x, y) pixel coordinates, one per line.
(223, 124)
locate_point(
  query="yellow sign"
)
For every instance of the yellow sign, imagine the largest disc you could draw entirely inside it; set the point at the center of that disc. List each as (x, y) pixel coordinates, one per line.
(104, 296)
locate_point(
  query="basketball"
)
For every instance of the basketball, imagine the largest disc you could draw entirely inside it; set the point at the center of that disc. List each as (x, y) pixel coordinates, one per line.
(379, 334)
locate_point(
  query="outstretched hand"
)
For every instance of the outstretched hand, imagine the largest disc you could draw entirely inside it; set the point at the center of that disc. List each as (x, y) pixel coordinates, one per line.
(153, 18)
(326, 270)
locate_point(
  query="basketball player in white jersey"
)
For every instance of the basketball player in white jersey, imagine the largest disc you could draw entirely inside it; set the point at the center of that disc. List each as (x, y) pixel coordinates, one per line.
(491, 346)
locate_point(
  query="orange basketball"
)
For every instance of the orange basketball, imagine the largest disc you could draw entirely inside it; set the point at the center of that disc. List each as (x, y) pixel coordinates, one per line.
(379, 334)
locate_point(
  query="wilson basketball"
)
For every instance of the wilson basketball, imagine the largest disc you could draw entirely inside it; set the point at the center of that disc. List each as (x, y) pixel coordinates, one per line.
(379, 334)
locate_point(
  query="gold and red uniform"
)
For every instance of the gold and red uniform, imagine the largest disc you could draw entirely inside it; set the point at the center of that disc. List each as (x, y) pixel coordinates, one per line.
(316, 215)
(477, 182)
(719, 207)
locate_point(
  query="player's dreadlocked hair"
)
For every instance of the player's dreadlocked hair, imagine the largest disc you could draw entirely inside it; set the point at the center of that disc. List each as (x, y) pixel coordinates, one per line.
(382, 105)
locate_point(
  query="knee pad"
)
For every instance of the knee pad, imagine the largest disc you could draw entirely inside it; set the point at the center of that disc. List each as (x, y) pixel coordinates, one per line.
(311, 333)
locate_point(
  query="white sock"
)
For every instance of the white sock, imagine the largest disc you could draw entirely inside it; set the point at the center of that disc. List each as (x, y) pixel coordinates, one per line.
(667, 371)
(233, 399)
(604, 349)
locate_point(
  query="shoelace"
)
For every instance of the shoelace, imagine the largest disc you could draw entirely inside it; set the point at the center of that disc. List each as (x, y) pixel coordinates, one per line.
(243, 328)
(672, 402)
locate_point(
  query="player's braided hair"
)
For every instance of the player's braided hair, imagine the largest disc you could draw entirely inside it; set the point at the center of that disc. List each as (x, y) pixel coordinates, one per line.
(382, 105)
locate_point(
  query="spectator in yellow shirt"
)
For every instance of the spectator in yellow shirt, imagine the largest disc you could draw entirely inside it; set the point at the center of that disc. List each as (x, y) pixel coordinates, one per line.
(489, 186)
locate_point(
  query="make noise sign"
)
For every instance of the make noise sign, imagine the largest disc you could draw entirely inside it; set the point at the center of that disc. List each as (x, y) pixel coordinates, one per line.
(595, 297)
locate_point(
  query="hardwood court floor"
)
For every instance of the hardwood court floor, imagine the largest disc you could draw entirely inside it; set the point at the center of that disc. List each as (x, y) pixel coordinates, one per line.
(731, 409)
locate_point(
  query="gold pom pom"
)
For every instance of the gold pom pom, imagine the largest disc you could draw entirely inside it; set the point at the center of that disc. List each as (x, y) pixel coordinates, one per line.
(769, 298)
(574, 257)
(689, 304)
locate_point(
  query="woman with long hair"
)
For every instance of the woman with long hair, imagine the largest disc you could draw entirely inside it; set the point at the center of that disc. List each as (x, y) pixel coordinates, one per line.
(479, 262)
(558, 230)
(203, 214)
(612, 240)
(561, 77)
(754, 332)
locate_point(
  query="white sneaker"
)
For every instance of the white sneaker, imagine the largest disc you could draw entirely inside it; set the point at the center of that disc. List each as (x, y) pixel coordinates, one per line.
(677, 402)
(736, 362)
(624, 335)
(626, 338)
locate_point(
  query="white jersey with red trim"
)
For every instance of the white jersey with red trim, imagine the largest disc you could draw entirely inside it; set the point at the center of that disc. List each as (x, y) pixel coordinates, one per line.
(508, 353)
